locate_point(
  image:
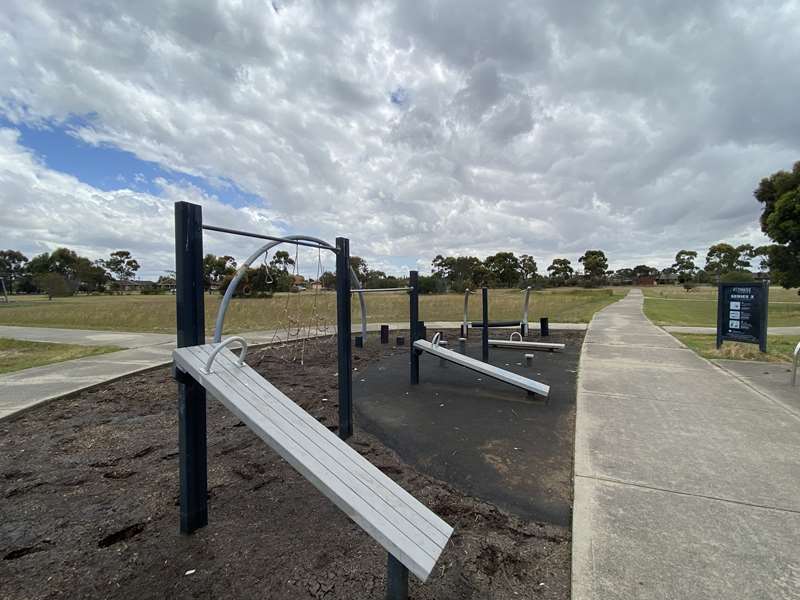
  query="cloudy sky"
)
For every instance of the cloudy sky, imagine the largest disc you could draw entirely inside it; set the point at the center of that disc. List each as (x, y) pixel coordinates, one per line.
(453, 126)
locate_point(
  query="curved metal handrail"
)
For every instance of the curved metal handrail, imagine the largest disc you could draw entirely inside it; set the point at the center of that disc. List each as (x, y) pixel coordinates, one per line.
(222, 345)
(437, 337)
(226, 300)
(511, 337)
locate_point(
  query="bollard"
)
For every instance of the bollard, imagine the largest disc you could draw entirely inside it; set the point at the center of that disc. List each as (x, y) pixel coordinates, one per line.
(384, 334)
(528, 360)
(400, 341)
(359, 341)
(462, 345)
(423, 331)
(544, 326)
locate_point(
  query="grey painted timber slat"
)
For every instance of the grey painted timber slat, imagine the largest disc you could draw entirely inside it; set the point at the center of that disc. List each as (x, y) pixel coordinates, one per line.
(436, 530)
(299, 434)
(526, 345)
(359, 495)
(525, 383)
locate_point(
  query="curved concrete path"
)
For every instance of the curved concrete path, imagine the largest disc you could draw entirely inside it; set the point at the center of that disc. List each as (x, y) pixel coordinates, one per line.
(687, 480)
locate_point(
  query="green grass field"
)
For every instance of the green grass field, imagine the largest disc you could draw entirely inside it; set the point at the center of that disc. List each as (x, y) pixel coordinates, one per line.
(780, 348)
(157, 313)
(16, 355)
(704, 313)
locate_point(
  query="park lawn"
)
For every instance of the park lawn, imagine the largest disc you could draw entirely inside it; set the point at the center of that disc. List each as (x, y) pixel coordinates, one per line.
(663, 311)
(16, 355)
(780, 348)
(156, 314)
(709, 293)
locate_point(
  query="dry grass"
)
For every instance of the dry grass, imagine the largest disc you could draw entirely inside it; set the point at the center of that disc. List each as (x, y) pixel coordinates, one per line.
(157, 313)
(16, 355)
(709, 293)
(695, 312)
(779, 348)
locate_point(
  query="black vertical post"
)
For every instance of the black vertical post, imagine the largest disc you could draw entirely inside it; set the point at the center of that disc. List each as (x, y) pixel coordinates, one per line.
(485, 340)
(384, 334)
(544, 326)
(720, 312)
(396, 580)
(343, 329)
(762, 340)
(191, 395)
(413, 283)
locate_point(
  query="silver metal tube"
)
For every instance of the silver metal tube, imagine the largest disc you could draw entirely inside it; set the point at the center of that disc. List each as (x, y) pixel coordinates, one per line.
(467, 292)
(261, 236)
(226, 300)
(525, 310)
(376, 290)
(794, 367)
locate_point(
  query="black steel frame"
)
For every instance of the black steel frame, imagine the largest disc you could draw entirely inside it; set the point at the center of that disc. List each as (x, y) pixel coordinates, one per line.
(193, 451)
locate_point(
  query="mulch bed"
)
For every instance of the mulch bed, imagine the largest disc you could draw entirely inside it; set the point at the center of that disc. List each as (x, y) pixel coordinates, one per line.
(89, 490)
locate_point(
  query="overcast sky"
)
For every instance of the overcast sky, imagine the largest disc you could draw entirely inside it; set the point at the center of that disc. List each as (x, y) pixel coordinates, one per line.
(452, 127)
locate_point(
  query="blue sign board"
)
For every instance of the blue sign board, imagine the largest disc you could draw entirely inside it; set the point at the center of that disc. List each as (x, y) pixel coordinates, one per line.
(742, 313)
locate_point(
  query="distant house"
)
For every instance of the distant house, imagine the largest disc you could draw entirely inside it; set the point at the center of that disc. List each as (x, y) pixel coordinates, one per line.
(646, 280)
(132, 285)
(299, 280)
(667, 279)
(316, 285)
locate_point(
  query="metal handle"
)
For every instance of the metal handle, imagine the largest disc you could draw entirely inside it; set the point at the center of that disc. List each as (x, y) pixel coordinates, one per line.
(436, 338)
(511, 337)
(219, 348)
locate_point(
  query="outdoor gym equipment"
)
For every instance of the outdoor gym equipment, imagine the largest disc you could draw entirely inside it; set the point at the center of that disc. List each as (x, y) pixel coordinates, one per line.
(3, 290)
(523, 345)
(434, 347)
(523, 324)
(413, 535)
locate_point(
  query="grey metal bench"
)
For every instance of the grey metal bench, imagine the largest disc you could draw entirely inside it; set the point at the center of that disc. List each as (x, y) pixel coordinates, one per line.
(478, 366)
(409, 531)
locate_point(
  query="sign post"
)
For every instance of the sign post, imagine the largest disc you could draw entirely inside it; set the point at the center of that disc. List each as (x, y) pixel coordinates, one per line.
(742, 313)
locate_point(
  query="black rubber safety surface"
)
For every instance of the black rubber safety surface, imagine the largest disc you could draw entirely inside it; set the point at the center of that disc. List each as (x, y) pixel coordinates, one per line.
(483, 436)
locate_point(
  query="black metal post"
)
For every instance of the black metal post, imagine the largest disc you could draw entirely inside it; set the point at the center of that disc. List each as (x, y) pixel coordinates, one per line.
(359, 341)
(485, 339)
(720, 313)
(762, 340)
(384, 334)
(193, 455)
(396, 580)
(343, 338)
(413, 282)
(400, 341)
(544, 326)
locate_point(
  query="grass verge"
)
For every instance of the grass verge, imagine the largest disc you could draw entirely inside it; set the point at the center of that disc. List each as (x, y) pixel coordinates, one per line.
(779, 348)
(156, 314)
(16, 355)
(703, 313)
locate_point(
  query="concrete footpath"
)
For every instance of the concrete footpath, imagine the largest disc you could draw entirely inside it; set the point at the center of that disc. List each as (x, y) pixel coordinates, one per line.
(85, 337)
(687, 479)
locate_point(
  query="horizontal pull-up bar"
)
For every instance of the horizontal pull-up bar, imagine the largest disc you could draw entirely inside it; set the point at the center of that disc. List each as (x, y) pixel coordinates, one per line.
(372, 290)
(268, 237)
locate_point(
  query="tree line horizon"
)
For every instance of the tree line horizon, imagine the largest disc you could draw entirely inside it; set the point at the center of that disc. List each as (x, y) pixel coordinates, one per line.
(64, 272)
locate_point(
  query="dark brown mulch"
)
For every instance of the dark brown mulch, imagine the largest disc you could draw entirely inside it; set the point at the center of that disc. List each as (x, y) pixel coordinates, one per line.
(89, 488)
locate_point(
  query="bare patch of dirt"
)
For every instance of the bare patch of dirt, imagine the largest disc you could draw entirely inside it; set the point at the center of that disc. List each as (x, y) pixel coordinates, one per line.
(89, 488)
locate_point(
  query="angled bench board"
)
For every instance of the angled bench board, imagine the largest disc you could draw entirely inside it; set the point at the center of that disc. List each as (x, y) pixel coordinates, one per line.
(478, 366)
(394, 518)
(526, 345)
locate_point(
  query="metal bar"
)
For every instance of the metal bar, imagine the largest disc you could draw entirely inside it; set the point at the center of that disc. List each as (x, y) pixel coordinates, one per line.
(485, 340)
(720, 313)
(497, 323)
(267, 237)
(465, 324)
(413, 280)
(396, 580)
(375, 290)
(343, 338)
(794, 368)
(544, 326)
(524, 324)
(193, 454)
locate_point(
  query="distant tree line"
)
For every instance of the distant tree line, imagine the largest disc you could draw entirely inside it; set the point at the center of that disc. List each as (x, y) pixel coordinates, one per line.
(63, 272)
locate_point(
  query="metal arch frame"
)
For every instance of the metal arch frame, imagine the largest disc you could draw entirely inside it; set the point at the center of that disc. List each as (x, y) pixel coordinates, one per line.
(289, 239)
